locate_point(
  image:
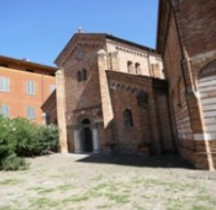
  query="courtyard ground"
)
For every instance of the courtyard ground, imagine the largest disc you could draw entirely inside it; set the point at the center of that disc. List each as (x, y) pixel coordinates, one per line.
(76, 182)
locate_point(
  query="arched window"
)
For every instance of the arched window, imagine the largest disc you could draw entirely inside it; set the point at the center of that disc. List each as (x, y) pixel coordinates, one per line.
(128, 119)
(86, 122)
(79, 76)
(84, 74)
(137, 68)
(142, 99)
(130, 67)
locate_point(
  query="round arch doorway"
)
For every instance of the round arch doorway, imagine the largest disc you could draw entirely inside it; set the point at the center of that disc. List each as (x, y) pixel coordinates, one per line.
(87, 141)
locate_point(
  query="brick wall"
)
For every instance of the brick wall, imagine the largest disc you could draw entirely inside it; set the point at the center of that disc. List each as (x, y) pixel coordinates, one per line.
(148, 134)
(172, 63)
(185, 40)
(196, 20)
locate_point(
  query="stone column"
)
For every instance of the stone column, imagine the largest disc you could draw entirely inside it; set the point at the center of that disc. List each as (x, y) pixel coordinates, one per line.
(60, 101)
(96, 140)
(77, 140)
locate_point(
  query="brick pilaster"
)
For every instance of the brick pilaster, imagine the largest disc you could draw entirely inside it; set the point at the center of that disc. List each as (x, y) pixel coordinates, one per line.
(60, 100)
(105, 95)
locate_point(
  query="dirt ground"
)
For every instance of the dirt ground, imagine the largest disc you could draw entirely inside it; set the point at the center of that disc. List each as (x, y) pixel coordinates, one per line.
(76, 182)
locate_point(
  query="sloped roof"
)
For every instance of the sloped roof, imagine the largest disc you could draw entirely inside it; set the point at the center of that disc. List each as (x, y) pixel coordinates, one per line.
(26, 63)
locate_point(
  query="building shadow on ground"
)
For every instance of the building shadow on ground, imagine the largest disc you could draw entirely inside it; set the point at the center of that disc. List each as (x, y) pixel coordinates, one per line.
(166, 161)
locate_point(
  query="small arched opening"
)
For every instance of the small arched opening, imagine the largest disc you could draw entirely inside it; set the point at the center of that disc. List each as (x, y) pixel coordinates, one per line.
(128, 118)
(142, 99)
(79, 76)
(130, 67)
(84, 74)
(86, 134)
(138, 68)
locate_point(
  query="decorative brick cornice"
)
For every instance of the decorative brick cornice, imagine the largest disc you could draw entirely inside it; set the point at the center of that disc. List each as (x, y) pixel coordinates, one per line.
(136, 79)
(131, 51)
(125, 77)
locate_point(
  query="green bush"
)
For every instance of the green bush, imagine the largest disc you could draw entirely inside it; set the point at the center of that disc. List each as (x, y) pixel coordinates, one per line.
(13, 163)
(7, 141)
(34, 139)
(22, 138)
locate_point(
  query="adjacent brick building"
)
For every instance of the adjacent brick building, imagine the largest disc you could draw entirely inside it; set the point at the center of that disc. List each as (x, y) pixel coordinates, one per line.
(187, 43)
(112, 96)
(24, 87)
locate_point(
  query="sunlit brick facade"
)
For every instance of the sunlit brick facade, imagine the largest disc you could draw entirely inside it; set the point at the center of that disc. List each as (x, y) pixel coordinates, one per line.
(187, 43)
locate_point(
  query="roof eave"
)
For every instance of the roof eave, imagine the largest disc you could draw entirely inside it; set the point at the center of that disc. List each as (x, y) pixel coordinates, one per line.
(27, 63)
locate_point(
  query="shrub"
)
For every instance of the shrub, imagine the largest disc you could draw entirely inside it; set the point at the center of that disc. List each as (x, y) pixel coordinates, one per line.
(12, 162)
(22, 138)
(7, 140)
(34, 139)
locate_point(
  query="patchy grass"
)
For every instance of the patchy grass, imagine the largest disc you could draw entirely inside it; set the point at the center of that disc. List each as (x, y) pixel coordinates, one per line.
(98, 177)
(118, 198)
(77, 198)
(176, 204)
(194, 202)
(43, 202)
(64, 188)
(104, 206)
(67, 184)
(8, 208)
(148, 182)
(201, 207)
(41, 190)
(44, 190)
(11, 182)
(137, 207)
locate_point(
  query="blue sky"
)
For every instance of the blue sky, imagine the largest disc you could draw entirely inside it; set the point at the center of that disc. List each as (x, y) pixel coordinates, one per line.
(39, 29)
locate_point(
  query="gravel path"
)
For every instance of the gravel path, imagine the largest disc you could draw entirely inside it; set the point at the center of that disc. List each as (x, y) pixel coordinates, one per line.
(73, 182)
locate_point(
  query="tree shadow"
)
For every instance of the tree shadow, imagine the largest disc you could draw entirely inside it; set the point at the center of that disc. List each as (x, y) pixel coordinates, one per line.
(166, 161)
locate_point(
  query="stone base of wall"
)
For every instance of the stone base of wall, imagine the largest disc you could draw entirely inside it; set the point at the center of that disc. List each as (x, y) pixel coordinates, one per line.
(196, 153)
(187, 150)
(203, 161)
(206, 155)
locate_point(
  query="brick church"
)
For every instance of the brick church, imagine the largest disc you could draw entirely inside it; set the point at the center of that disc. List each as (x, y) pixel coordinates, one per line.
(117, 96)
(112, 95)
